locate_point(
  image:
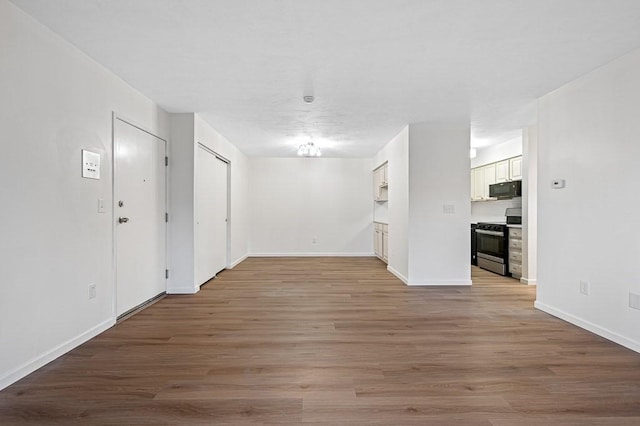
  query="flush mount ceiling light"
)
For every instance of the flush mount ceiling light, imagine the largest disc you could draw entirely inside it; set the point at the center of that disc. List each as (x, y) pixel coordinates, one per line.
(308, 98)
(309, 150)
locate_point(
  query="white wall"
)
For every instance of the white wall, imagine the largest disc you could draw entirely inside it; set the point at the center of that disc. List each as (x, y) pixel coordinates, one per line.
(187, 130)
(530, 206)
(181, 202)
(55, 102)
(439, 175)
(396, 152)
(498, 152)
(588, 135)
(294, 200)
(492, 211)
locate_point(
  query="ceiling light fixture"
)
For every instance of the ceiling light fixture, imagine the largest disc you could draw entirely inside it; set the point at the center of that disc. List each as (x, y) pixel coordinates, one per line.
(308, 98)
(309, 150)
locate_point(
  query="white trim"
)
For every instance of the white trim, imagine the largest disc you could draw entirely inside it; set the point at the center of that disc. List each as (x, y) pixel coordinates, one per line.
(183, 290)
(527, 281)
(312, 254)
(397, 274)
(589, 326)
(237, 262)
(441, 283)
(42, 360)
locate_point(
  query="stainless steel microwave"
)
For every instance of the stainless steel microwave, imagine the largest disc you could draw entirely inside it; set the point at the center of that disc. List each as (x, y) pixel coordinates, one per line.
(504, 190)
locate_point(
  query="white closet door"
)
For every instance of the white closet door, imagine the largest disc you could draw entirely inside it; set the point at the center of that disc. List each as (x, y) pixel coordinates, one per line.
(211, 215)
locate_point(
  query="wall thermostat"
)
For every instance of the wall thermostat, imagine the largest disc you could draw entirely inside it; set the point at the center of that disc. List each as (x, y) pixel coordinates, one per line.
(557, 183)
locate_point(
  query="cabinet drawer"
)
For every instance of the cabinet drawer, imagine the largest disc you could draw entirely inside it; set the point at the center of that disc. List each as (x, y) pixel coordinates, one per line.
(515, 268)
(515, 233)
(515, 244)
(515, 257)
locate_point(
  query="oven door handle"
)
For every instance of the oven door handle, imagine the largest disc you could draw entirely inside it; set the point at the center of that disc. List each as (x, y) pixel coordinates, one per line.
(496, 233)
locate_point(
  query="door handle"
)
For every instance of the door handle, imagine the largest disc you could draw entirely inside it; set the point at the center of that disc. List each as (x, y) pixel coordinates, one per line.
(123, 219)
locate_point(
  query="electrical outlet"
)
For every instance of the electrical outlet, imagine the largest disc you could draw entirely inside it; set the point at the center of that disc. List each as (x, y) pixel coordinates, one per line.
(92, 291)
(634, 300)
(585, 287)
(448, 208)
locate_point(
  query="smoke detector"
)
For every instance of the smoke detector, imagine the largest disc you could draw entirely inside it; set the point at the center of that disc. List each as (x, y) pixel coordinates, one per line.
(308, 98)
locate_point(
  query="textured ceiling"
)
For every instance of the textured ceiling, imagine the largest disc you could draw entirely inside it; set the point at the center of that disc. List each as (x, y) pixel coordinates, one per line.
(373, 65)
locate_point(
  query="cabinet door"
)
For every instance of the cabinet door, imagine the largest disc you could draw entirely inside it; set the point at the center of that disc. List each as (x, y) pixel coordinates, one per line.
(385, 175)
(502, 171)
(380, 244)
(377, 179)
(385, 246)
(478, 187)
(472, 187)
(376, 240)
(489, 173)
(515, 166)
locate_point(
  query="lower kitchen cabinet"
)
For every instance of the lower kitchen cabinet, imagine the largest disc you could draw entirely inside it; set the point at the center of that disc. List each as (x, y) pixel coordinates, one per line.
(381, 240)
(515, 252)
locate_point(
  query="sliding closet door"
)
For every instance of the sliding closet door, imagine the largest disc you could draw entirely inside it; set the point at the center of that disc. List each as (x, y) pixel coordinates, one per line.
(211, 215)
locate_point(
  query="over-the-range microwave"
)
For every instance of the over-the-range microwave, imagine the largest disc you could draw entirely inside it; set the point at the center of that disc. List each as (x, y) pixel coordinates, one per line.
(504, 190)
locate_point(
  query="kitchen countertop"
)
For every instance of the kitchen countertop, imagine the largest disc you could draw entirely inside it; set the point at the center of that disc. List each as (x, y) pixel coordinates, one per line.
(382, 223)
(514, 226)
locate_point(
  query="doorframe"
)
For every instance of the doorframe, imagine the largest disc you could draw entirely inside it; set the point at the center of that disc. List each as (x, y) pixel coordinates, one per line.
(225, 160)
(114, 238)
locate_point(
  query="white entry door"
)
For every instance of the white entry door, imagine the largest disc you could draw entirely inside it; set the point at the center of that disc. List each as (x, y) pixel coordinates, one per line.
(211, 215)
(139, 212)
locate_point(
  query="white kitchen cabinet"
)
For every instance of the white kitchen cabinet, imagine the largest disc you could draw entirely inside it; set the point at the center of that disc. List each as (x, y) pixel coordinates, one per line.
(502, 171)
(482, 178)
(473, 183)
(515, 168)
(489, 178)
(381, 240)
(380, 184)
(515, 252)
(385, 243)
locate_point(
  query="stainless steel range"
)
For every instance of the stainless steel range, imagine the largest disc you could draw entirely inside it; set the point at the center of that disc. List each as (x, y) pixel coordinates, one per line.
(492, 245)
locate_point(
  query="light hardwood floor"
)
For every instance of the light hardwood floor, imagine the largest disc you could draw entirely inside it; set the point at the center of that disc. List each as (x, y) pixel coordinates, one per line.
(336, 341)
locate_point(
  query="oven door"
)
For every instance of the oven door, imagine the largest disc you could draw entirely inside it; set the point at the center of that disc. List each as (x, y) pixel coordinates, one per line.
(491, 245)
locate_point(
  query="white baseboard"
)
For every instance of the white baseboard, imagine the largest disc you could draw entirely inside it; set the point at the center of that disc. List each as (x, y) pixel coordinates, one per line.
(441, 283)
(596, 329)
(398, 274)
(527, 281)
(183, 290)
(313, 254)
(237, 262)
(42, 360)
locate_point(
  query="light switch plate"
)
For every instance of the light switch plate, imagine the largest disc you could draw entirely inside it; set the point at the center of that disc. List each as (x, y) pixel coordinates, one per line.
(448, 208)
(90, 165)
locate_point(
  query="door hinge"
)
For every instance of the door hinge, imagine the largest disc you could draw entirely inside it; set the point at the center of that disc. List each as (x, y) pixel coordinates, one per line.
(166, 161)
(166, 217)
(166, 273)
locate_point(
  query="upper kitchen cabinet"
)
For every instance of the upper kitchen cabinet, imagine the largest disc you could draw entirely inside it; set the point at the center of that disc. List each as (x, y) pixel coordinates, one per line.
(482, 178)
(502, 171)
(380, 183)
(515, 168)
